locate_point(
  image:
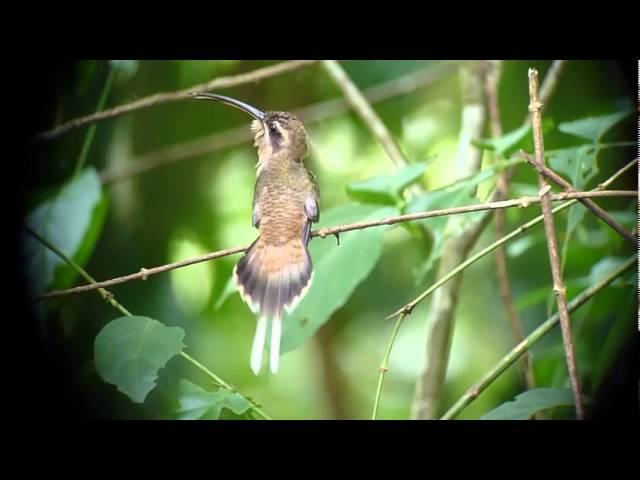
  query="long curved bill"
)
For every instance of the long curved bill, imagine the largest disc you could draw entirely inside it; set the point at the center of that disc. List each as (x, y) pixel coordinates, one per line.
(253, 111)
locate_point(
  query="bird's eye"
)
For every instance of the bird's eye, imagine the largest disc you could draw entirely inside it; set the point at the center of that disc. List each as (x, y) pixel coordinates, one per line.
(272, 128)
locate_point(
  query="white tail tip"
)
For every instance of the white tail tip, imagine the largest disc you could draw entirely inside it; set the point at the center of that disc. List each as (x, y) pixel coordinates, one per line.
(258, 345)
(276, 333)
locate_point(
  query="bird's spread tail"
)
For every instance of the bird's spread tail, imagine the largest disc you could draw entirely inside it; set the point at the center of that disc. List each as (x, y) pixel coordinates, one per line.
(271, 279)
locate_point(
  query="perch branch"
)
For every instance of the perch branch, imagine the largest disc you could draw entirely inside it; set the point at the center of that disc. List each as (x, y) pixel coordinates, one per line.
(508, 360)
(403, 85)
(165, 97)
(108, 296)
(523, 202)
(554, 259)
(590, 204)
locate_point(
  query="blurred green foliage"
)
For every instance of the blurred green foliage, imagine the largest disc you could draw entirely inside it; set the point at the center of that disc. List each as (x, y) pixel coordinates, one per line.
(203, 203)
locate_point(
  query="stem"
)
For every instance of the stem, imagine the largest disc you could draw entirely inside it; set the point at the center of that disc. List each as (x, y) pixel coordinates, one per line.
(384, 366)
(110, 298)
(522, 202)
(92, 129)
(221, 382)
(554, 259)
(511, 357)
(165, 97)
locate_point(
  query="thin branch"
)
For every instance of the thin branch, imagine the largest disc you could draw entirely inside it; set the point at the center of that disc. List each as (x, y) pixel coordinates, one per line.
(549, 83)
(403, 85)
(166, 97)
(523, 202)
(105, 294)
(384, 367)
(511, 357)
(111, 299)
(367, 114)
(558, 284)
(595, 209)
(492, 82)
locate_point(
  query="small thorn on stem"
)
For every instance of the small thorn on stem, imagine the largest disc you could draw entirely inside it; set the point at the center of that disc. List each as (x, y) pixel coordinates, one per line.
(407, 309)
(383, 369)
(144, 271)
(337, 235)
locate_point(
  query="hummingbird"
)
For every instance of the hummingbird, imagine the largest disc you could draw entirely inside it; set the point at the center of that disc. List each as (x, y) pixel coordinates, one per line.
(276, 271)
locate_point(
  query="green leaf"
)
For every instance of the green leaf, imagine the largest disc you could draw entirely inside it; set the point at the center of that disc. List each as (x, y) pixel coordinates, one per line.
(506, 143)
(604, 267)
(339, 269)
(229, 289)
(386, 190)
(198, 404)
(577, 163)
(530, 402)
(71, 218)
(129, 351)
(593, 128)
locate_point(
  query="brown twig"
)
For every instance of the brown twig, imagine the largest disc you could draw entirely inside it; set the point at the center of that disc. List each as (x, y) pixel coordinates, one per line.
(362, 107)
(535, 107)
(590, 204)
(522, 202)
(492, 81)
(165, 97)
(403, 85)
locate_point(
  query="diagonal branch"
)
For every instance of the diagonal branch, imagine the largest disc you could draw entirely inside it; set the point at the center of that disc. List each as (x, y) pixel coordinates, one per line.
(558, 284)
(368, 115)
(523, 202)
(511, 357)
(403, 85)
(590, 204)
(166, 97)
(108, 296)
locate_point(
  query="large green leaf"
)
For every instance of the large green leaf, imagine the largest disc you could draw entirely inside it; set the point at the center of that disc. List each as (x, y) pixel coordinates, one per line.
(71, 218)
(593, 128)
(529, 403)
(129, 351)
(339, 269)
(198, 404)
(386, 189)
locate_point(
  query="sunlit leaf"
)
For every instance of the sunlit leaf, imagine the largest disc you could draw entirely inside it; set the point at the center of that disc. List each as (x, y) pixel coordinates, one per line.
(593, 128)
(339, 269)
(198, 404)
(529, 403)
(71, 218)
(129, 351)
(229, 289)
(386, 189)
(191, 286)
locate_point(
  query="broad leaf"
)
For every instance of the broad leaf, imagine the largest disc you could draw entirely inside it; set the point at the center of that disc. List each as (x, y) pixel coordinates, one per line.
(339, 269)
(129, 351)
(71, 218)
(529, 403)
(593, 128)
(198, 404)
(577, 163)
(508, 142)
(386, 189)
